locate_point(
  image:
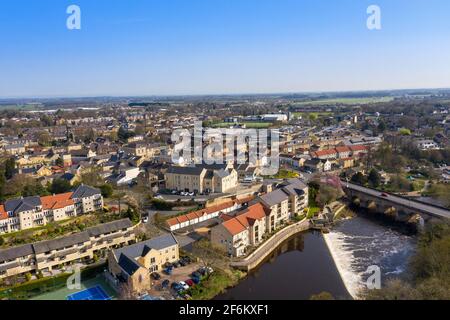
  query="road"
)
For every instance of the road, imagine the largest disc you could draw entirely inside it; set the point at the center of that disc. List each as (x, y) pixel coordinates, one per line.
(435, 211)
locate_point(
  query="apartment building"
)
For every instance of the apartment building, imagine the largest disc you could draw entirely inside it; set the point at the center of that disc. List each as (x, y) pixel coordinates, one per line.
(30, 212)
(248, 227)
(46, 255)
(133, 264)
(202, 178)
(235, 234)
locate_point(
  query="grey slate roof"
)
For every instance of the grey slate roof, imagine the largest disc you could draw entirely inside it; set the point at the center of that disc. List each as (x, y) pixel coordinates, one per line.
(192, 171)
(60, 243)
(128, 265)
(294, 187)
(16, 252)
(49, 245)
(274, 197)
(109, 227)
(84, 191)
(22, 204)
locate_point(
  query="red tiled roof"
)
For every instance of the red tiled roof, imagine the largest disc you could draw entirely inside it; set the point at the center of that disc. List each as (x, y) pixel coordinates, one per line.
(234, 226)
(321, 153)
(343, 149)
(243, 221)
(3, 213)
(358, 148)
(200, 213)
(57, 201)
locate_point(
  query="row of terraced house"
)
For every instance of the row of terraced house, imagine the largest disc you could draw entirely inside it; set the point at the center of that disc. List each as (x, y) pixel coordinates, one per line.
(81, 247)
(31, 212)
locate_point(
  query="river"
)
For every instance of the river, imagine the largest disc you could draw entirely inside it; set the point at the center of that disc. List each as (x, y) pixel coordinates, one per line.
(310, 263)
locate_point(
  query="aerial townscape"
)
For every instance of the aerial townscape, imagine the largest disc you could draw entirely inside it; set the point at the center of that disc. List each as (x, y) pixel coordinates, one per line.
(224, 159)
(91, 185)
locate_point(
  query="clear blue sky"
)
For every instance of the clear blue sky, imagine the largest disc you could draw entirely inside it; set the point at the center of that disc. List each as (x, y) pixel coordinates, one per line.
(164, 47)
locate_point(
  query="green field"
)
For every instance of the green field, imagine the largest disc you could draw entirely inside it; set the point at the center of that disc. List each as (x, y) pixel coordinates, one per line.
(314, 114)
(349, 101)
(249, 125)
(27, 107)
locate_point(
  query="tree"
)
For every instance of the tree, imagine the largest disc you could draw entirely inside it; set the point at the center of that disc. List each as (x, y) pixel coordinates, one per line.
(208, 253)
(10, 168)
(44, 138)
(381, 127)
(359, 178)
(132, 214)
(327, 194)
(59, 162)
(92, 177)
(374, 178)
(60, 186)
(107, 190)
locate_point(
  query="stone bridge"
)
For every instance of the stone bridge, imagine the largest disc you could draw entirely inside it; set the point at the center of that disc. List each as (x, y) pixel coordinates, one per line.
(397, 207)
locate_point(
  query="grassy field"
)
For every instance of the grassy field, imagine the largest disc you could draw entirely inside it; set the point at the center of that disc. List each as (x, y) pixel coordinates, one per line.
(285, 174)
(348, 101)
(249, 125)
(24, 107)
(314, 114)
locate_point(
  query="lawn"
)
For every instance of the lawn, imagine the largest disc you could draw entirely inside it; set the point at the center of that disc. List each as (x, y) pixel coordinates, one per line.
(285, 174)
(312, 212)
(314, 114)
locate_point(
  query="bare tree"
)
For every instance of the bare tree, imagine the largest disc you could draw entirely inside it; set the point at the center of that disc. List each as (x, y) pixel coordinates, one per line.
(208, 253)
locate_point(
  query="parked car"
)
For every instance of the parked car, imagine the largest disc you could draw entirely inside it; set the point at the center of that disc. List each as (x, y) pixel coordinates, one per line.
(186, 259)
(196, 274)
(176, 286)
(155, 276)
(183, 285)
(384, 195)
(205, 270)
(168, 271)
(176, 264)
(190, 282)
(196, 280)
(182, 263)
(165, 284)
(145, 220)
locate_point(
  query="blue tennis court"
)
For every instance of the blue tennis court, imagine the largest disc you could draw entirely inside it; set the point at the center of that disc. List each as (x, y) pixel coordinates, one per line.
(95, 293)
